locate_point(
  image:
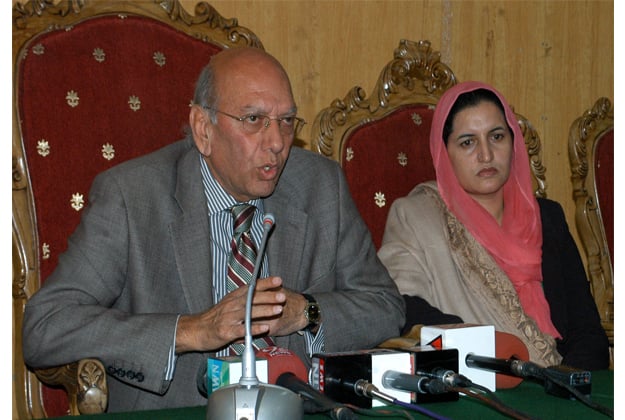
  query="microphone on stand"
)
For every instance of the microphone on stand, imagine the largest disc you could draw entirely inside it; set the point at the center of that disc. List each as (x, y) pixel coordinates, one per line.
(393, 379)
(510, 366)
(251, 399)
(559, 380)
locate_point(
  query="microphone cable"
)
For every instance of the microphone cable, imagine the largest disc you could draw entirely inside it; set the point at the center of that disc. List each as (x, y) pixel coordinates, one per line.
(367, 389)
(315, 401)
(492, 401)
(456, 382)
(381, 412)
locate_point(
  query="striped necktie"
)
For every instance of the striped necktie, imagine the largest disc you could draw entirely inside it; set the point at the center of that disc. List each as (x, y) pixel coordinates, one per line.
(241, 261)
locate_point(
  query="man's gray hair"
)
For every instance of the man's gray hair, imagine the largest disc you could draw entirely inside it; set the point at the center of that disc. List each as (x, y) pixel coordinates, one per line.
(205, 93)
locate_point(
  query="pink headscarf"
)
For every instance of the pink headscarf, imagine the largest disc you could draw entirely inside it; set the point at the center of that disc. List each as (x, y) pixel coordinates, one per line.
(516, 245)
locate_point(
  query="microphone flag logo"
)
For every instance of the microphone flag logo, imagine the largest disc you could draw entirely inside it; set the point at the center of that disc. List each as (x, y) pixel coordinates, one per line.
(437, 342)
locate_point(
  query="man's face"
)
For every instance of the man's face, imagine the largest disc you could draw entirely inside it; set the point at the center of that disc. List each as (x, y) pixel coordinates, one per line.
(248, 165)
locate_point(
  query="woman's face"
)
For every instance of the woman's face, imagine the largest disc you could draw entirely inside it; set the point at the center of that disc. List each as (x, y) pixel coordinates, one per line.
(480, 150)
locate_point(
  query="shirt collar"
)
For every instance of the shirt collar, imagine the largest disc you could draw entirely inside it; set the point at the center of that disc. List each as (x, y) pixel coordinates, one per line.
(217, 198)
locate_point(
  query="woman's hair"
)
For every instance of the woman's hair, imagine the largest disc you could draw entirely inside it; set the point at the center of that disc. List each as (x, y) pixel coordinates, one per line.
(467, 100)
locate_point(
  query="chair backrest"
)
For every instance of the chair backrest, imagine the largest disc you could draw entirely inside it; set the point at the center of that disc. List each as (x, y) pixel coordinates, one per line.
(591, 154)
(382, 142)
(95, 83)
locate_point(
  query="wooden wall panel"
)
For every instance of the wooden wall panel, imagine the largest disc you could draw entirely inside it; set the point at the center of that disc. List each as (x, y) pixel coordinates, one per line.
(579, 69)
(551, 59)
(328, 47)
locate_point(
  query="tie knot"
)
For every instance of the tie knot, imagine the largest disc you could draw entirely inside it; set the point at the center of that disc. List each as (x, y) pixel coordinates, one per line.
(242, 215)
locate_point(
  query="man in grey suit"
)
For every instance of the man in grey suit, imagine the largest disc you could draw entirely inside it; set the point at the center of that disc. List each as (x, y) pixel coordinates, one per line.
(142, 283)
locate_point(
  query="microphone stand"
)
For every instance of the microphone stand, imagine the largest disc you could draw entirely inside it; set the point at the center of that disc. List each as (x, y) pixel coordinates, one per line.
(248, 376)
(249, 399)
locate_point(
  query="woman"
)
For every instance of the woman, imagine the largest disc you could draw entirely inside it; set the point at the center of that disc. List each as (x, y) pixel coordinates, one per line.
(476, 242)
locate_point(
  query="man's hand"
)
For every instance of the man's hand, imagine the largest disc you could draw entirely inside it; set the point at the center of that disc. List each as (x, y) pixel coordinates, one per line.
(292, 318)
(275, 311)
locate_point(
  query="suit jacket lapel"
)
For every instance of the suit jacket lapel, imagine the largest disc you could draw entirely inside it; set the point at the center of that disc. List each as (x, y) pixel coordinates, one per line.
(289, 234)
(190, 235)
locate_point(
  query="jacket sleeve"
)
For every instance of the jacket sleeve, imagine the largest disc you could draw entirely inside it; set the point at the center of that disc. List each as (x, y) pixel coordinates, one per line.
(584, 344)
(368, 308)
(77, 313)
(420, 312)
(321, 246)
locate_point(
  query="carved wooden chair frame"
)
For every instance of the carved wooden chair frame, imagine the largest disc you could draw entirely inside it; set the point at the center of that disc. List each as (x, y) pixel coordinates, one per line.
(29, 20)
(583, 139)
(415, 75)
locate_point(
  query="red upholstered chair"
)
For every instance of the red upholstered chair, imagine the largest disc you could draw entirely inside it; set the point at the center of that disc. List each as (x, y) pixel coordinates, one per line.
(382, 141)
(591, 153)
(95, 83)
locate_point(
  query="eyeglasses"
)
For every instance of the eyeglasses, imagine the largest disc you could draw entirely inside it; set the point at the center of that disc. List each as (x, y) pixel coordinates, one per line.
(289, 125)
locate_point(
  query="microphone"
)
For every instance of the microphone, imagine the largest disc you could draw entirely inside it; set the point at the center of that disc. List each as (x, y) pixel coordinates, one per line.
(559, 380)
(249, 398)
(448, 377)
(202, 374)
(479, 340)
(393, 379)
(318, 402)
(366, 389)
(281, 360)
(513, 367)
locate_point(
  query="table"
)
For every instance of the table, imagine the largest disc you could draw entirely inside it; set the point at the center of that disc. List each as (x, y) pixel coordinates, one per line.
(529, 398)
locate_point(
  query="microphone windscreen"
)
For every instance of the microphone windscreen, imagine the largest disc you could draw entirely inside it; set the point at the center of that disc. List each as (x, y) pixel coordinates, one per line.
(509, 346)
(281, 360)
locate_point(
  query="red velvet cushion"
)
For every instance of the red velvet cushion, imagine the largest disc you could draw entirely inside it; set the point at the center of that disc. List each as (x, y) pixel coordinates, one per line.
(65, 61)
(386, 159)
(604, 181)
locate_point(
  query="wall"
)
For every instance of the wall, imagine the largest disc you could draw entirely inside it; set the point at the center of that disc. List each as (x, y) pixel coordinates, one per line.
(551, 59)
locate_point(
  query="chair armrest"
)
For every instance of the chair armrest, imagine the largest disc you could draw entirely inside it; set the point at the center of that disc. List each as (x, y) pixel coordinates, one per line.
(85, 383)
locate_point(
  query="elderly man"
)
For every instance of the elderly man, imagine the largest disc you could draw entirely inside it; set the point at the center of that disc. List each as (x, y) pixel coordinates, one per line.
(150, 283)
